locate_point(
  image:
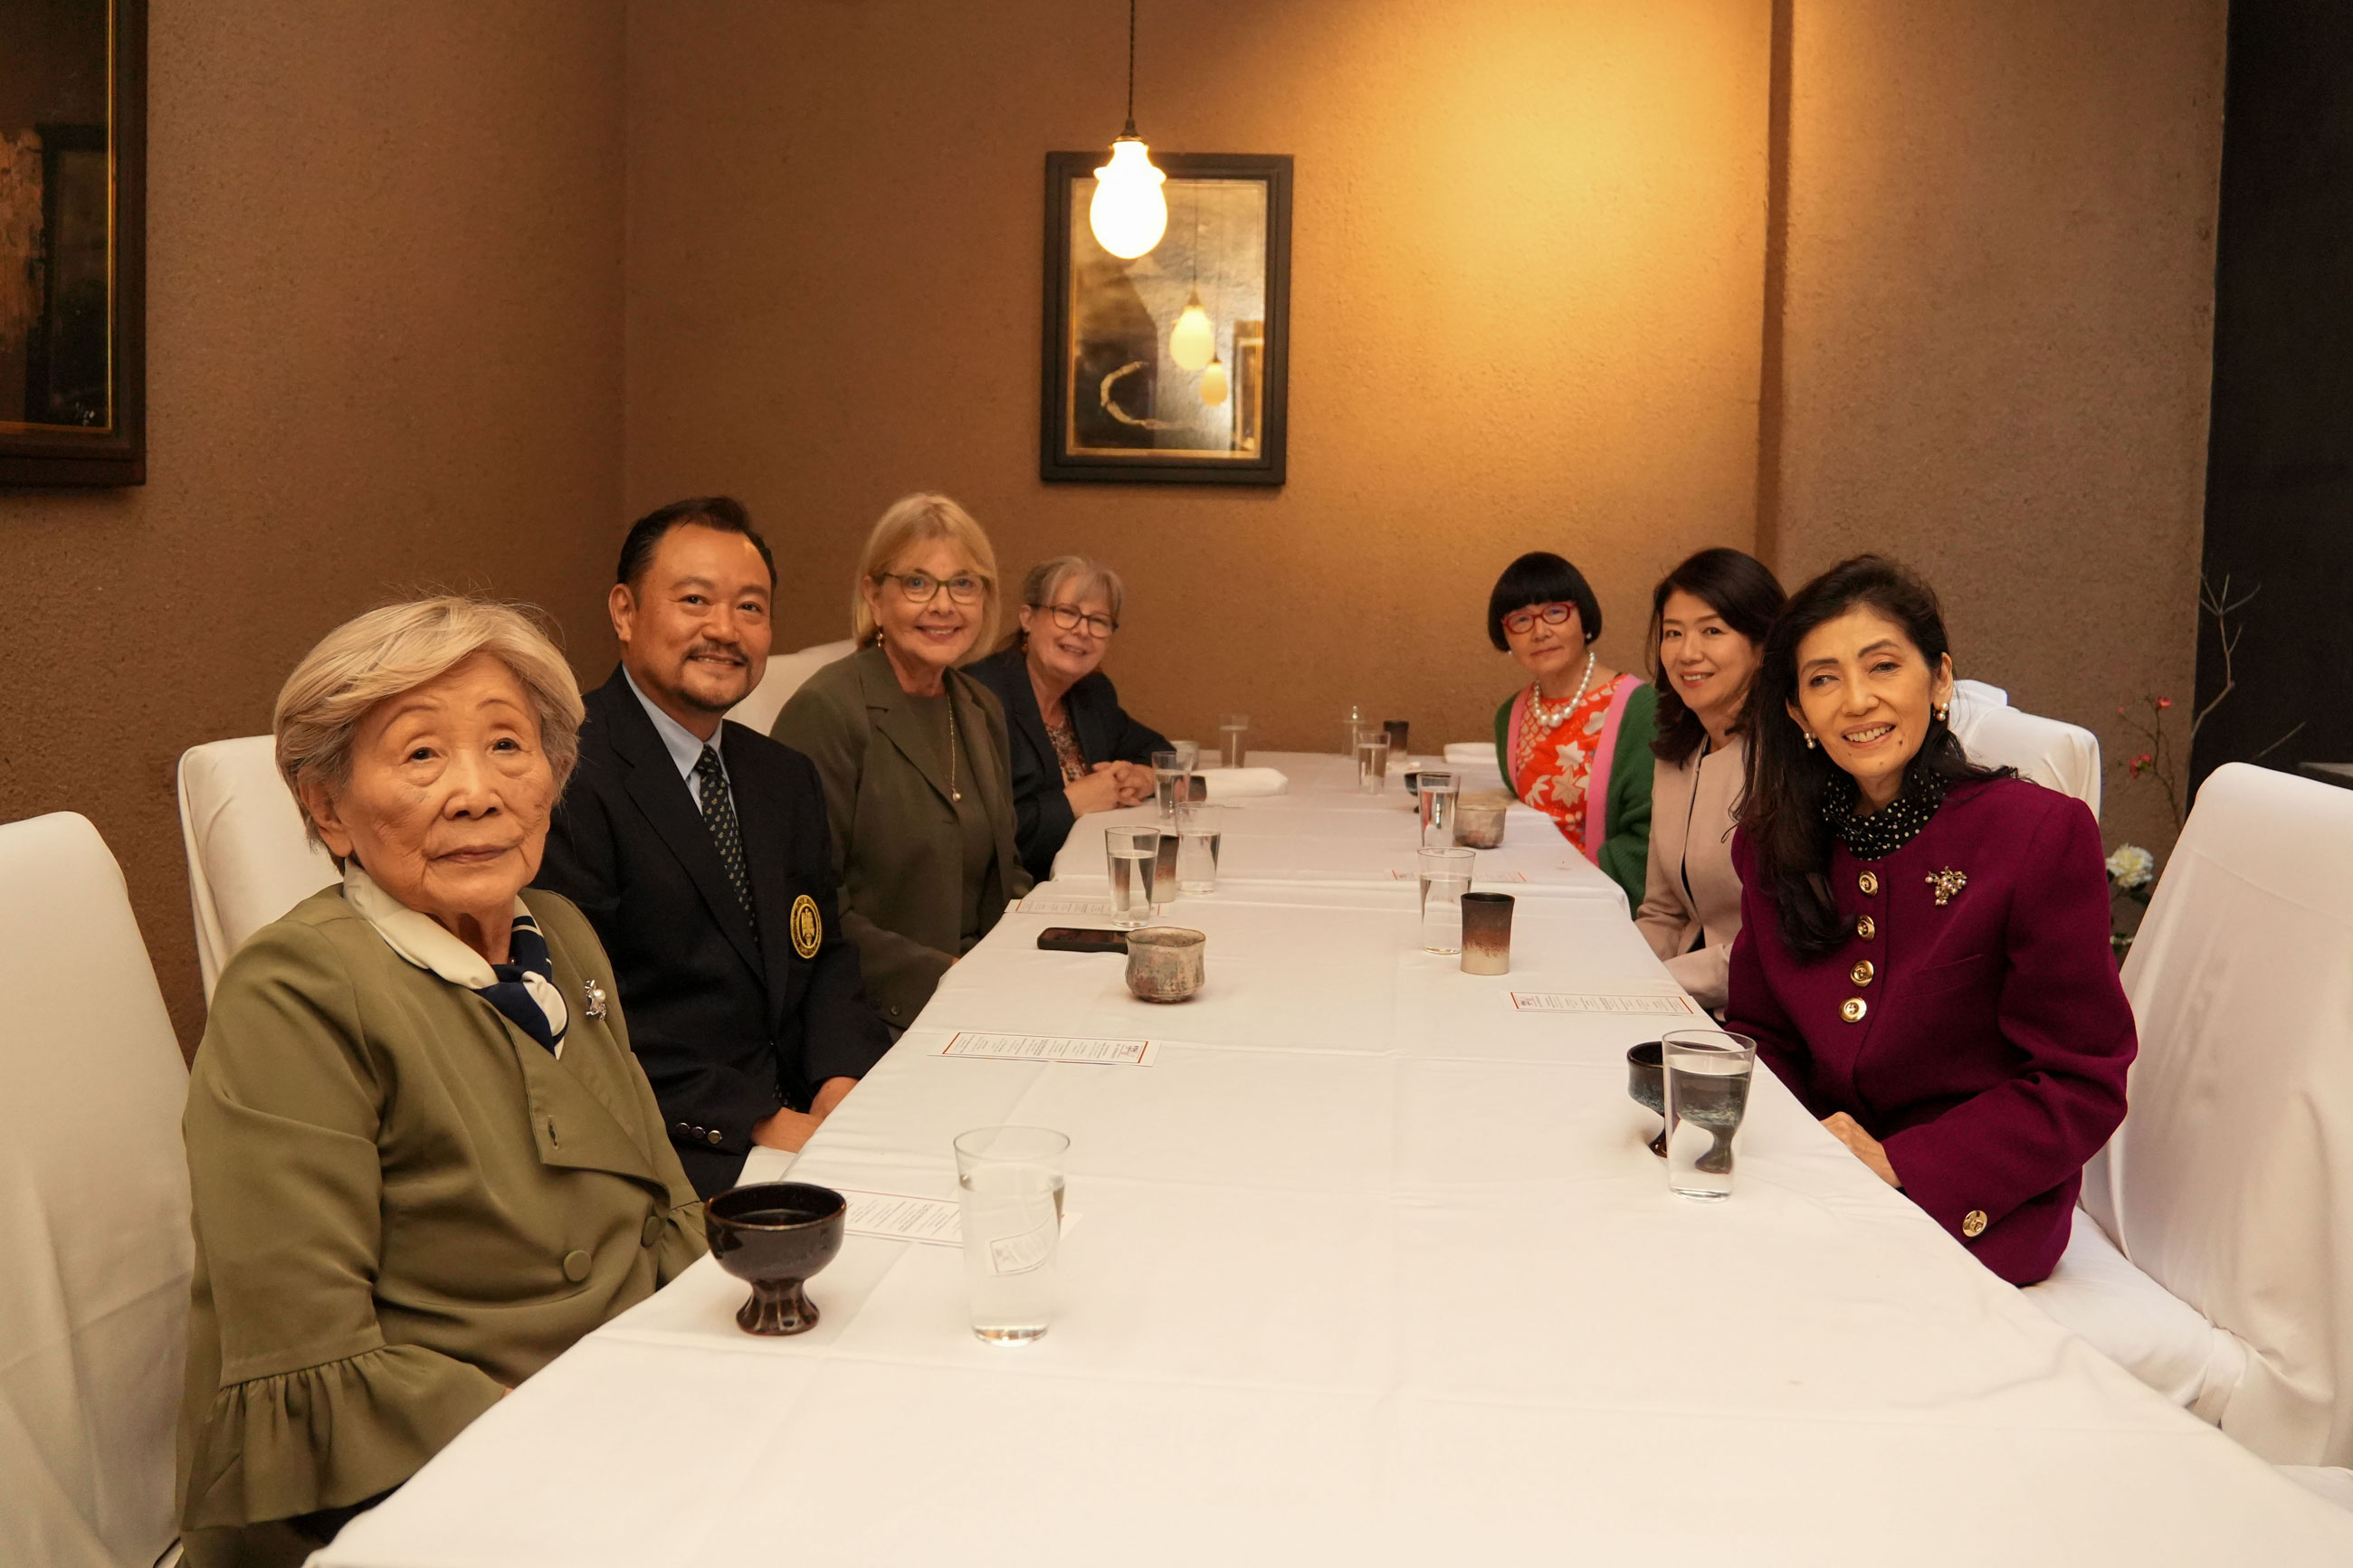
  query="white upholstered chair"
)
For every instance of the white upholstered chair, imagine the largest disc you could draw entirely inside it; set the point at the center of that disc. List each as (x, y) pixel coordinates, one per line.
(2058, 755)
(94, 1243)
(786, 673)
(248, 858)
(2228, 1190)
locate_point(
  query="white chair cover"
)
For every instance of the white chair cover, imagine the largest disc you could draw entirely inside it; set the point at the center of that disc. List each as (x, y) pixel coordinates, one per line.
(786, 673)
(248, 858)
(2061, 756)
(2230, 1183)
(94, 1240)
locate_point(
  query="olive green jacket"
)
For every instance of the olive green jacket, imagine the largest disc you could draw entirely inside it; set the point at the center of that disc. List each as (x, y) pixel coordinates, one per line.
(404, 1205)
(897, 847)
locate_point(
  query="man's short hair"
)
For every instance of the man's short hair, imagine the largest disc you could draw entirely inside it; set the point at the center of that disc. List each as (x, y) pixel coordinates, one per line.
(724, 513)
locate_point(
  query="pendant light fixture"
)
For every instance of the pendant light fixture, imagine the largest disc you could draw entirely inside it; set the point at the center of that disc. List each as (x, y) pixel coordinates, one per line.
(1213, 376)
(1193, 342)
(1129, 212)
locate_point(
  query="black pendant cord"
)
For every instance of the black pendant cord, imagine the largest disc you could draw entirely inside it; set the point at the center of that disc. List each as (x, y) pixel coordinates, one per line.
(1130, 69)
(1888, 828)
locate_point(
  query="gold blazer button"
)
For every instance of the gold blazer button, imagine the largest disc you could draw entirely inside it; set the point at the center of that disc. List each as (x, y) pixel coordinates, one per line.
(1861, 973)
(1973, 1224)
(1853, 1008)
(1866, 927)
(575, 1266)
(1869, 883)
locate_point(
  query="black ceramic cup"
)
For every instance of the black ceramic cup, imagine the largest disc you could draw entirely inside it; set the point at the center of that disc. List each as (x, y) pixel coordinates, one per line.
(774, 1236)
(1646, 1082)
(1396, 730)
(1486, 933)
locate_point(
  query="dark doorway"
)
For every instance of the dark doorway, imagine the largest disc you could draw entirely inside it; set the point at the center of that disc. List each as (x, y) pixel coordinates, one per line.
(2279, 474)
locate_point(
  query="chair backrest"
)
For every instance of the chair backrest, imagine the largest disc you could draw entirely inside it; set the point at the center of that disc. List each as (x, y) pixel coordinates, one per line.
(248, 858)
(95, 1249)
(2057, 755)
(786, 673)
(2230, 1183)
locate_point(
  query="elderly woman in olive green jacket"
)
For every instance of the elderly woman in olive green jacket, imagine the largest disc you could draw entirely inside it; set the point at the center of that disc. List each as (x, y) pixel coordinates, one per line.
(918, 788)
(423, 1159)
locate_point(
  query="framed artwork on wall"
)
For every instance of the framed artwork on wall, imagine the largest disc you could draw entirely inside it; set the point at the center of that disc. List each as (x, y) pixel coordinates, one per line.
(1170, 368)
(73, 200)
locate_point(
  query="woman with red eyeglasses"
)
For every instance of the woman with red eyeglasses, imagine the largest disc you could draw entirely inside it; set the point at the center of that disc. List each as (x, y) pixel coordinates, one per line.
(1575, 743)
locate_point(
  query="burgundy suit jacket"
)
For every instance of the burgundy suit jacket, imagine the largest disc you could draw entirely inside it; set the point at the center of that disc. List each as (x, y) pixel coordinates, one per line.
(1983, 1040)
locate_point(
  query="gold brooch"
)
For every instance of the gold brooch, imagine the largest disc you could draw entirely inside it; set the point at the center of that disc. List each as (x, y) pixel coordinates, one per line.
(595, 995)
(1946, 882)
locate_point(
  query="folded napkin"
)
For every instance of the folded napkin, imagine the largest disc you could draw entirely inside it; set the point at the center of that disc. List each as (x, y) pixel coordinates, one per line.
(1235, 784)
(1471, 753)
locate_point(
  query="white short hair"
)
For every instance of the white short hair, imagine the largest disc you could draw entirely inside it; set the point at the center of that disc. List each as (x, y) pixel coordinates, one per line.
(399, 648)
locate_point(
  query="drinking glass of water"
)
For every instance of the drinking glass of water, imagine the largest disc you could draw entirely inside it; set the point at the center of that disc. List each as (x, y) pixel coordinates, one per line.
(1353, 725)
(1171, 781)
(1199, 830)
(1131, 856)
(1009, 1187)
(1445, 877)
(1438, 792)
(1188, 752)
(1372, 759)
(1707, 1076)
(1231, 728)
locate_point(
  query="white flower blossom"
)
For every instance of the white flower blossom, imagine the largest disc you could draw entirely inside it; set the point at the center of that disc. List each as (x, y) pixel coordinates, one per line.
(2132, 867)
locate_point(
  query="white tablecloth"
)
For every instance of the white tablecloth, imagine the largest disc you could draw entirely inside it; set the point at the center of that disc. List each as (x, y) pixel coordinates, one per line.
(1367, 1265)
(1323, 832)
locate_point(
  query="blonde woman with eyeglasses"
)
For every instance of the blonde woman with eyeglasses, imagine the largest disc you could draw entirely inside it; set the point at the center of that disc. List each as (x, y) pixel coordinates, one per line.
(912, 753)
(1075, 749)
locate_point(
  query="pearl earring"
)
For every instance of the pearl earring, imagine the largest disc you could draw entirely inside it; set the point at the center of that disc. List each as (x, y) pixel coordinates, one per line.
(1944, 713)
(1809, 740)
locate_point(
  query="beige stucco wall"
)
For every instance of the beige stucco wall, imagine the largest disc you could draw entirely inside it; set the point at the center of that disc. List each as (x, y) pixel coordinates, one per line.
(1526, 311)
(1999, 332)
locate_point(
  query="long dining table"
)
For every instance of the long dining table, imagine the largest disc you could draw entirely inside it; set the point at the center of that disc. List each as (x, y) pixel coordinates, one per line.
(1365, 1259)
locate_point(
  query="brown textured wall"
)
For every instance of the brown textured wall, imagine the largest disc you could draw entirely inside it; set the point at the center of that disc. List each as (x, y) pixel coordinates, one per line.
(383, 349)
(1526, 311)
(1998, 337)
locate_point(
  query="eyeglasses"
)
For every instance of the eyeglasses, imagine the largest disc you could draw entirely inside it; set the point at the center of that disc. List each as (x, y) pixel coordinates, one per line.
(1070, 617)
(920, 586)
(1520, 623)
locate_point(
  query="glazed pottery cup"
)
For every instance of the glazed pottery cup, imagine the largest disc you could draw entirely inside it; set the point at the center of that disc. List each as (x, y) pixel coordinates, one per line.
(774, 1236)
(1486, 933)
(1646, 1082)
(1165, 962)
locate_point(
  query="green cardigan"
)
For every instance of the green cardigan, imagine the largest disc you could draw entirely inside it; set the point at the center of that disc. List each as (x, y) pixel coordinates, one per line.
(1626, 810)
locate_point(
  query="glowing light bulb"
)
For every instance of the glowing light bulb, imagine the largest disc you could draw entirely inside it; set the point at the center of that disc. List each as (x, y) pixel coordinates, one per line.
(1193, 342)
(1130, 213)
(1213, 384)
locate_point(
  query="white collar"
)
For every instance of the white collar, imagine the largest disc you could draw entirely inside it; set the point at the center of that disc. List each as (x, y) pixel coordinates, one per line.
(679, 741)
(427, 943)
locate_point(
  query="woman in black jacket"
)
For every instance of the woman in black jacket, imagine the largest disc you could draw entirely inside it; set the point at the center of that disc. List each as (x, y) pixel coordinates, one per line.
(1074, 748)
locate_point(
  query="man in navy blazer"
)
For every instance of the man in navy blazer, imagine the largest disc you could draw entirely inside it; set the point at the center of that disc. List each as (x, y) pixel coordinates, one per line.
(699, 851)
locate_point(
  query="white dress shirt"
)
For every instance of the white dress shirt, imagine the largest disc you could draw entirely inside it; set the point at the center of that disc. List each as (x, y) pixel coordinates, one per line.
(684, 748)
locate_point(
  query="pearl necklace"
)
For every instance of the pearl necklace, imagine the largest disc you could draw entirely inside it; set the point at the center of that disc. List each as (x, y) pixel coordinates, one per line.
(955, 795)
(1548, 719)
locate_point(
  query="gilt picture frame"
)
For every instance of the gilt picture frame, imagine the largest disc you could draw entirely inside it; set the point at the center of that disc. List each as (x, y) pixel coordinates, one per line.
(73, 201)
(1119, 403)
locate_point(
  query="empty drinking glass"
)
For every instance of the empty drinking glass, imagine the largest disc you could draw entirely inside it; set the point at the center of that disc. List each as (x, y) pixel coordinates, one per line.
(1437, 791)
(1131, 856)
(1172, 783)
(1231, 728)
(1351, 725)
(1707, 1075)
(1009, 1190)
(1199, 830)
(1372, 759)
(1445, 877)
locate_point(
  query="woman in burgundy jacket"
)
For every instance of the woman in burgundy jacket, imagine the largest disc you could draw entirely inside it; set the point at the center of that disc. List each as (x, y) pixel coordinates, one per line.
(1924, 952)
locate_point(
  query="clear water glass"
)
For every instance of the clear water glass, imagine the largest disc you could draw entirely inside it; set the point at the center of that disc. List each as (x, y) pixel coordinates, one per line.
(1372, 759)
(1231, 729)
(1438, 791)
(1445, 877)
(1353, 729)
(1707, 1076)
(1171, 782)
(1010, 1188)
(1188, 752)
(1131, 856)
(1199, 829)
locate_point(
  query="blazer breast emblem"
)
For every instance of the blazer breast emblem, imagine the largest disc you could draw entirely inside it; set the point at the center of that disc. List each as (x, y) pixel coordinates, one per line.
(808, 930)
(1947, 882)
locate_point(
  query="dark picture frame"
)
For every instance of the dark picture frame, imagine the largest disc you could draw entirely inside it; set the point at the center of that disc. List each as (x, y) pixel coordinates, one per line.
(1108, 387)
(73, 249)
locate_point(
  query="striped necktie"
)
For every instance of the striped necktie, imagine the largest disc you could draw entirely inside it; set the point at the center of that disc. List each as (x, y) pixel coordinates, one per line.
(719, 816)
